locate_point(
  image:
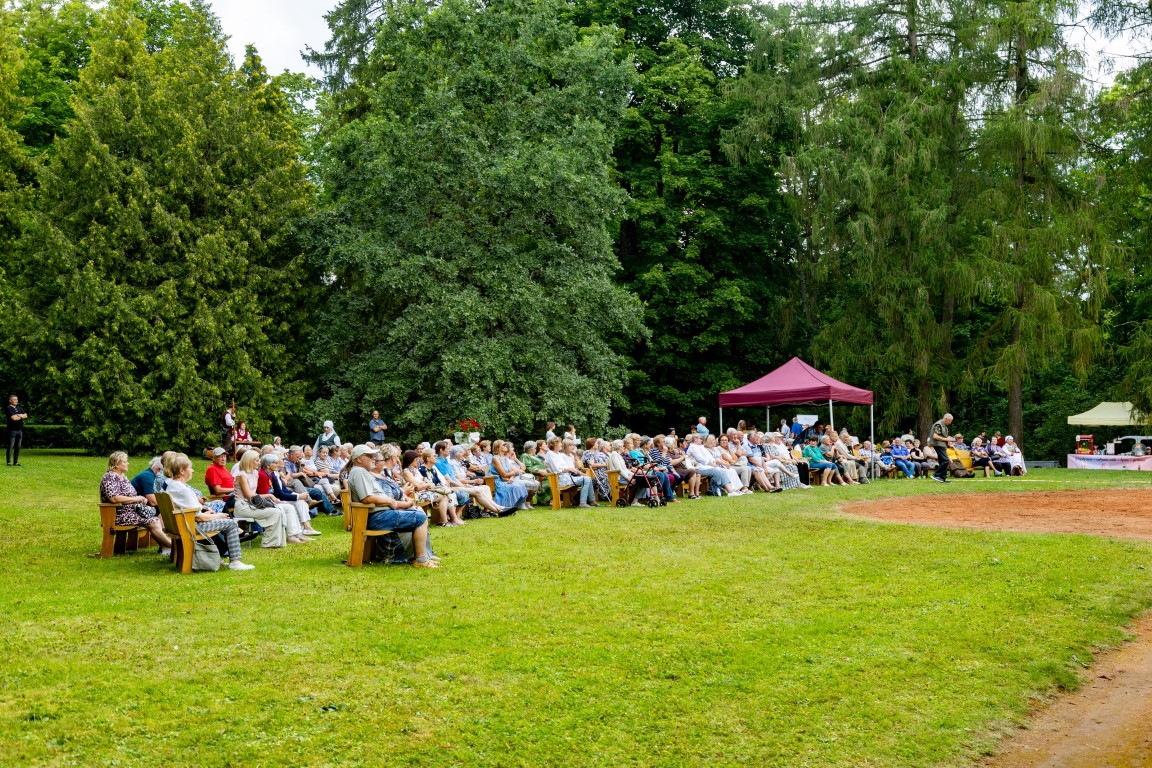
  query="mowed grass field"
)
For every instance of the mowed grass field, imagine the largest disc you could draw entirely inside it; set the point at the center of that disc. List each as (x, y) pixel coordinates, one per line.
(765, 630)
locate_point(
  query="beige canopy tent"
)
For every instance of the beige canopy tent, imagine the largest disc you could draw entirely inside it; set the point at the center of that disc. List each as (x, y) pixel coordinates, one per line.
(1110, 415)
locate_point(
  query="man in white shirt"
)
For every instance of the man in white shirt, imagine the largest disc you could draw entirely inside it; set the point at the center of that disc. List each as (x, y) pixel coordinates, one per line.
(764, 471)
(706, 465)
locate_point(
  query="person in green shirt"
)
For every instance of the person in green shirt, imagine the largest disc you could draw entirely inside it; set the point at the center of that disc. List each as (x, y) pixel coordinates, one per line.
(816, 460)
(939, 440)
(536, 467)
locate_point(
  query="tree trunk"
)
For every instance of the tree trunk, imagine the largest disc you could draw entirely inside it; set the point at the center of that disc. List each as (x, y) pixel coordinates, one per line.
(925, 416)
(1016, 394)
(913, 35)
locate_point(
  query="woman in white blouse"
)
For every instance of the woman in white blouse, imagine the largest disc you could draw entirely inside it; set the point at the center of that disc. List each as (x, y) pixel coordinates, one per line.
(178, 469)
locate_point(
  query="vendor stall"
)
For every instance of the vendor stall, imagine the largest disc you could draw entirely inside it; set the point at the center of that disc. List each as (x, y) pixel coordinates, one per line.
(1112, 455)
(1079, 461)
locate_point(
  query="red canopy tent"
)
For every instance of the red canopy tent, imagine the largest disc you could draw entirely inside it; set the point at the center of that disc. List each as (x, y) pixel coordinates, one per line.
(797, 382)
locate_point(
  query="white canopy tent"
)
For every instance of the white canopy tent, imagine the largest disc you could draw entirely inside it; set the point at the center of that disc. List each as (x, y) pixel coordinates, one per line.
(1110, 415)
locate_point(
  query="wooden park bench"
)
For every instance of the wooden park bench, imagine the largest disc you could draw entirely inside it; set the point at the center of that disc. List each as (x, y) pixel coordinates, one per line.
(180, 525)
(346, 504)
(118, 539)
(363, 540)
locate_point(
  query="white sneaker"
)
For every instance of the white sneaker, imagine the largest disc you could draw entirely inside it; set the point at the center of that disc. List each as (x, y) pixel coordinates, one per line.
(165, 552)
(239, 565)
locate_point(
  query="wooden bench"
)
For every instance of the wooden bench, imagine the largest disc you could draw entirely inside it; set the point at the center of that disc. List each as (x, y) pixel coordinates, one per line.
(681, 488)
(118, 539)
(346, 504)
(181, 528)
(562, 496)
(613, 485)
(363, 540)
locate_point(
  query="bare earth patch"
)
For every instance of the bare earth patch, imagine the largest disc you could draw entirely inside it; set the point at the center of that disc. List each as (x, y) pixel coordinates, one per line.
(1123, 514)
(1108, 722)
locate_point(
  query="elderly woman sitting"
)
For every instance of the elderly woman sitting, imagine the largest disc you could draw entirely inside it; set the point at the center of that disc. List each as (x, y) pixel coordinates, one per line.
(262, 510)
(595, 458)
(560, 459)
(1014, 457)
(510, 468)
(508, 493)
(178, 469)
(430, 489)
(981, 459)
(448, 462)
(116, 488)
(534, 465)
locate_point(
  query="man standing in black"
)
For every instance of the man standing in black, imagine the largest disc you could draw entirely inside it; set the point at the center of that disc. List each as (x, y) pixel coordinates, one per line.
(16, 416)
(940, 440)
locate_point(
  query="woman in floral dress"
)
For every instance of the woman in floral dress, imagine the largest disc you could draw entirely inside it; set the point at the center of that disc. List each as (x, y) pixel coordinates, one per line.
(596, 459)
(116, 488)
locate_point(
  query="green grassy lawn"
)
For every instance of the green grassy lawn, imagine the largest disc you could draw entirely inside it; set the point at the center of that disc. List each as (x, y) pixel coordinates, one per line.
(767, 630)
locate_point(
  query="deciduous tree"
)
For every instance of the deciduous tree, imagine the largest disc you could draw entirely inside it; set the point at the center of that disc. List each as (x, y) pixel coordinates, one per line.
(467, 193)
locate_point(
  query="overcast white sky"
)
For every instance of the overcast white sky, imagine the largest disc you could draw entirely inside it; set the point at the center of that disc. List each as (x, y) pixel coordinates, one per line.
(278, 28)
(281, 28)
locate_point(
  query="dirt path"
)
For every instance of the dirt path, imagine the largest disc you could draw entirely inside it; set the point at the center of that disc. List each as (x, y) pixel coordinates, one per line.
(1108, 722)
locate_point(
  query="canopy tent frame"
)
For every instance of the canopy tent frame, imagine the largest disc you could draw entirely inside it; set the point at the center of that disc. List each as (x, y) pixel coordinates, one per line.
(787, 384)
(871, 428)
(1110, 414)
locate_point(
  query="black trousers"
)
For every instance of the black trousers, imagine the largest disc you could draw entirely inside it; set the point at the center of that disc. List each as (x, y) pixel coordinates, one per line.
(15, 440)
(941, 463)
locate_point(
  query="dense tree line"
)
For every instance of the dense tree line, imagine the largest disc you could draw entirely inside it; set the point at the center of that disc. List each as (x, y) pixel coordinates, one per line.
(603, 212)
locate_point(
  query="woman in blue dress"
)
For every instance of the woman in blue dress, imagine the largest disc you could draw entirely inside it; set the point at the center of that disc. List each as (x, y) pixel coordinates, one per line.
(508, 493)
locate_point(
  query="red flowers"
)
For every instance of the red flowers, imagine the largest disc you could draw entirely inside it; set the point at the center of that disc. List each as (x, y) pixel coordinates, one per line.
(467, 425)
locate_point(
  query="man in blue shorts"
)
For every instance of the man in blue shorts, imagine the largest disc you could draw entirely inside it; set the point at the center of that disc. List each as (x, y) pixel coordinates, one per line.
(390, 512)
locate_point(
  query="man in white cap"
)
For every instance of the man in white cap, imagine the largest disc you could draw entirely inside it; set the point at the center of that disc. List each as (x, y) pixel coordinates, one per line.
(390, 512)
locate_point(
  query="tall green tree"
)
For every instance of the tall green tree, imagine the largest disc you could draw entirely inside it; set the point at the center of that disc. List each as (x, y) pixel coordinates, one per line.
(162, 273)
(467, 193)
(12, 106)
(704, 241)
(1044, 253)
(1124, 137)
(54, 37)
(878, 93)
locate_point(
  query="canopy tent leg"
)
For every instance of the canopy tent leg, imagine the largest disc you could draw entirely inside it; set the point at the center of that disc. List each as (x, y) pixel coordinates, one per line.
(767, 418)
(872, 437)
(721, 422)
(831, 423)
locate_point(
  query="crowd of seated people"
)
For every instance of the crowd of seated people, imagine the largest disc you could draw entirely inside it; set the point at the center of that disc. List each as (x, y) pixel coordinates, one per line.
(276, 491)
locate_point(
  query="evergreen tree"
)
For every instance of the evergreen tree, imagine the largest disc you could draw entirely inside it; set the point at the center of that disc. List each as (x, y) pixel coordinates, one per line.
(1039, 240)
(703, 241)
(1123, 138)
(467, 192)
(160, 278)
(878, 93)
